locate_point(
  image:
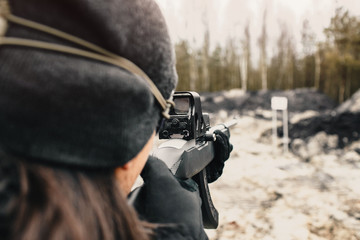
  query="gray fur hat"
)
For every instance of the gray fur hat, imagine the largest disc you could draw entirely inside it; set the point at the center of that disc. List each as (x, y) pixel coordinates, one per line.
(63, 109)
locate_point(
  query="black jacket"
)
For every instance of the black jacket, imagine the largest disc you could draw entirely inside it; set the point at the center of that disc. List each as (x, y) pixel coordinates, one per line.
(173, 204)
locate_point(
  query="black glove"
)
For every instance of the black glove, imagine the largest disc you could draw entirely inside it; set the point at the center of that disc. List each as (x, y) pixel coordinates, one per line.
(165, 199)
(222, 148)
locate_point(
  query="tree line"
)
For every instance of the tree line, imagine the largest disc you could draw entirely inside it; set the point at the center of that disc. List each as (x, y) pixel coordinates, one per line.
(332, 65)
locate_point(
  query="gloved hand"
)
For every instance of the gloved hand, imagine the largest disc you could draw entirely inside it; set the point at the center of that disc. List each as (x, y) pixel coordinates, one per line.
(223, 148)
(164, 199)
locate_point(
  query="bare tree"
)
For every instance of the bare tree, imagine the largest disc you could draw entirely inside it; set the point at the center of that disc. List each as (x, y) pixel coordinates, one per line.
(317, 69)
(281, 56)
(205, 56)
(193, 68)
(308, 42)
(231, 65)
(263, 57)
(307, 38)
(245, 58)
(290, 59)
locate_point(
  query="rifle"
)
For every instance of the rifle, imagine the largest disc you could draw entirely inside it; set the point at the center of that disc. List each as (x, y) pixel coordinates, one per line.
(190, 147)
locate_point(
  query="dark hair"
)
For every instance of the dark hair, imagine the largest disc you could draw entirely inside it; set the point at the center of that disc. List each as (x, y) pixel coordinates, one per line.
(44, 202)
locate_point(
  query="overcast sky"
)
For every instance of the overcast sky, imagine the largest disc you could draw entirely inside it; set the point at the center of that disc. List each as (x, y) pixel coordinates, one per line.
(226, 18)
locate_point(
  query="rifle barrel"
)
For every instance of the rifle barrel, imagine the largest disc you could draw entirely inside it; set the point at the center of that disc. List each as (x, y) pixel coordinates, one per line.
(226, 125)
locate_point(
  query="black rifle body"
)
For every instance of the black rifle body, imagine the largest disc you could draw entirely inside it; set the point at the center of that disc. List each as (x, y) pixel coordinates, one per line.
(188, 159)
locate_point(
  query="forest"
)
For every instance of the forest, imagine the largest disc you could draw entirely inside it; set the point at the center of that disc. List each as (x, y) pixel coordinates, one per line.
(332, 66)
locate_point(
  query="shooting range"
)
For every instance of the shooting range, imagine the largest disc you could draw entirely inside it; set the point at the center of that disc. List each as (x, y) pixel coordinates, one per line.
(268, 195)
(296, 181)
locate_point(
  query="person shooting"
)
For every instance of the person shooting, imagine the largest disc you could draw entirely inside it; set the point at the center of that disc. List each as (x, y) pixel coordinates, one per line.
(84, 86)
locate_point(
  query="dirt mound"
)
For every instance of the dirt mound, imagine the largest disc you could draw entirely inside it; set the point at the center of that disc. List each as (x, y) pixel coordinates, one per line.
(351, 105)
(315, 114)
(345, 125)
(300, 100)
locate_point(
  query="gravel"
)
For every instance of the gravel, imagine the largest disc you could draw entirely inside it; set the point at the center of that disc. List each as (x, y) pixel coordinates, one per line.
(310, 192)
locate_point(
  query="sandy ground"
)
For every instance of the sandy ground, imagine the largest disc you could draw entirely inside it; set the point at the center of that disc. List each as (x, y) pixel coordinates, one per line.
(266, 194)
